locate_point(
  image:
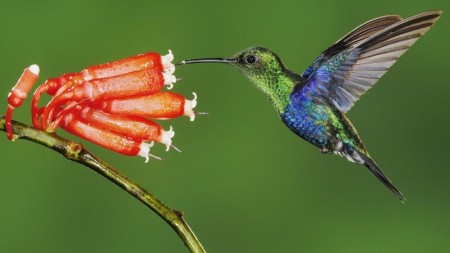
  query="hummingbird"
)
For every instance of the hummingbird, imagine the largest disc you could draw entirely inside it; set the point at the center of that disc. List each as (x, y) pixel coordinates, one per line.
(314, 104)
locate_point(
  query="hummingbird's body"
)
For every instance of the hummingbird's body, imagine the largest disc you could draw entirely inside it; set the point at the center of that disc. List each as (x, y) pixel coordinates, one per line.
(314, 104)
(321, 124)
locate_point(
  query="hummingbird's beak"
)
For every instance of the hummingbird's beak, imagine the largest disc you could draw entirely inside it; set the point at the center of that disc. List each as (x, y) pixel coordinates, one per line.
(207, 60)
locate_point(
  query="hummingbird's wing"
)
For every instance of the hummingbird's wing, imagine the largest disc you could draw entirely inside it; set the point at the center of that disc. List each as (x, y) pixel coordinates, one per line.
(346, 70)
(356, 35)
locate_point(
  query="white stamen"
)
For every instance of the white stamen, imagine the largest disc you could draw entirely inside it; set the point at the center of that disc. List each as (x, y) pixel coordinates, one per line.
(144, 151)
(156, 157)
(166, 61)
(189, 105)
(34, 69)
(177, 149)
(166, 137)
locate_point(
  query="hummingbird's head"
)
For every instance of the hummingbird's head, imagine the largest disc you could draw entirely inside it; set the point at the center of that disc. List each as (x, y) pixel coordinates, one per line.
(259, 64)
(263, 68)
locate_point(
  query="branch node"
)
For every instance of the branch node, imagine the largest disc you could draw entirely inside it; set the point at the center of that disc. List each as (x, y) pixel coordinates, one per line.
(179, 214)
(15, 137)
(73, 150)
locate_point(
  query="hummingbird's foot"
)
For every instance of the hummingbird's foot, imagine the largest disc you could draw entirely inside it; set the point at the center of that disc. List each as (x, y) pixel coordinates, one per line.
(325, 151)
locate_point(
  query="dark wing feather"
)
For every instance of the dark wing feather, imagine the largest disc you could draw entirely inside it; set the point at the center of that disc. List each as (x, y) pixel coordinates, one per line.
(356, 35)
(344, 77)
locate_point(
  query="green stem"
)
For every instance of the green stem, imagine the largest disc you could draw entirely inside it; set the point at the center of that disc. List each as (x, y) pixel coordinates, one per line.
(75, 152)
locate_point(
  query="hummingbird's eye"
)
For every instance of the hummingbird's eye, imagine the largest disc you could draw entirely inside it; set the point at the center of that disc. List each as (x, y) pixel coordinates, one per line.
(250, 59)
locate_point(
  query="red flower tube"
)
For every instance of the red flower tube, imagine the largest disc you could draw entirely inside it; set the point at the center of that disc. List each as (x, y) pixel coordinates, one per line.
(162, 105)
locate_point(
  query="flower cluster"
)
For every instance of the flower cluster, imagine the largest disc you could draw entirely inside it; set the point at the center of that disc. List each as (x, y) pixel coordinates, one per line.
(110, 104)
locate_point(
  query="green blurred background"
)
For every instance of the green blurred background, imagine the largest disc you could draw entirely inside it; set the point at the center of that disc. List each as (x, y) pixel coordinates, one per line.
(244, 181)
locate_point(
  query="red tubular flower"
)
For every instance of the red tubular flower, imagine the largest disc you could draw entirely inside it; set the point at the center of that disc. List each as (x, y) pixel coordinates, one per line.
(162, 105)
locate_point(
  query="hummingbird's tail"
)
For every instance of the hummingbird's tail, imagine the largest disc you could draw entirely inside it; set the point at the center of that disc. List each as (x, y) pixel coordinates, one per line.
(376, 171)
